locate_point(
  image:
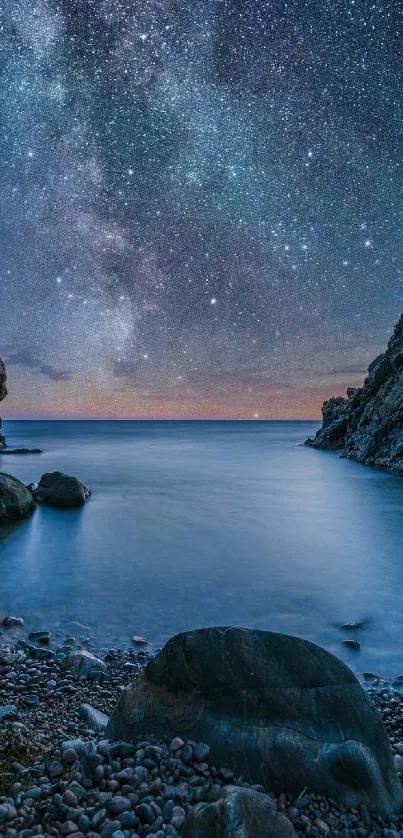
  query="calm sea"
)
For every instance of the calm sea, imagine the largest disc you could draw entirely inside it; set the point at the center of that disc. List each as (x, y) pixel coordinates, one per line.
(203, 523)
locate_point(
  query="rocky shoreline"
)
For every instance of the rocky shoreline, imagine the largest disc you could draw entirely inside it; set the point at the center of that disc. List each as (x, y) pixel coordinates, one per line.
(60, 776)
(367, 426)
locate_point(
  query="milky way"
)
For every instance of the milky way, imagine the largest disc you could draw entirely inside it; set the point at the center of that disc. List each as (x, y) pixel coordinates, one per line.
(200, 203)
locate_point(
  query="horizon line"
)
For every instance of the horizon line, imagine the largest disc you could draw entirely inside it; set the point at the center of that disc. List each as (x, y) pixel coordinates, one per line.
(154, 419)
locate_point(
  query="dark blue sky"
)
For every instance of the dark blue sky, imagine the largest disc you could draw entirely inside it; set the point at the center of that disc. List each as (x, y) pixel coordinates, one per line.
(201, 203)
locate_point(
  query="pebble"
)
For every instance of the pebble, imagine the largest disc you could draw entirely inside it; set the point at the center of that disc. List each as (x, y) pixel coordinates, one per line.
(31, 700)
(8, 711)
(176, 744)
(95, 718)
(201, 752)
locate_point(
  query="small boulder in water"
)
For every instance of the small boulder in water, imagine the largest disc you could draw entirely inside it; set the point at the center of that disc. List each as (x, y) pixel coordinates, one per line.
(41, 637)
(352, 644)
(60, 490)
(12, 622)
(353, 626)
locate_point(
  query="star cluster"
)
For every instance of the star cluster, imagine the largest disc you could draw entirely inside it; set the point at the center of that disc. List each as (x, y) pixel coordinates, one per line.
(200, 203)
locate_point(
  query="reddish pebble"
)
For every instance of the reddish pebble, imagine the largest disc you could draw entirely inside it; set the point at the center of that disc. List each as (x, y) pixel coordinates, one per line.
(322, 826)
(113, 785)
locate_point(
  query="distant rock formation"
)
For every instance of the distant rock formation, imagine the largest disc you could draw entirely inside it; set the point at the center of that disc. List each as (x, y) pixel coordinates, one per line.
(368, 425)
(3, 393)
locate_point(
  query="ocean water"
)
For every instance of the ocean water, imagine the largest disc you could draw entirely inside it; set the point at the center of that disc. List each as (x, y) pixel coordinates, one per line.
(207, 523)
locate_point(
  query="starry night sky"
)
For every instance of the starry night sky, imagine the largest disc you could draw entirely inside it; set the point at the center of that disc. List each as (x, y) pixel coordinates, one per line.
(200, 204)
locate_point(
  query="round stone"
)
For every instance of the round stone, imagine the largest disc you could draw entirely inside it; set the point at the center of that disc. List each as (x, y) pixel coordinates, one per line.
(201, 752)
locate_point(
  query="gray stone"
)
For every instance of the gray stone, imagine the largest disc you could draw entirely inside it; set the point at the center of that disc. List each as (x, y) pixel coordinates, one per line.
(240, 812)
(83, 663)
(278, 710)
(95, 719)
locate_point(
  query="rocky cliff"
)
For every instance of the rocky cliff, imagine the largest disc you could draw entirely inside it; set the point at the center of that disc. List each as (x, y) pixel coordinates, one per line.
(367, 425)
(3, 393)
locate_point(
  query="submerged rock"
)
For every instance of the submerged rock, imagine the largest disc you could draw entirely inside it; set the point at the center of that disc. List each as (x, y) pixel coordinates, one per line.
(354, 626)
(278, 710)
(60, 490)
(239, 812)
(15, 499)
(367, 426)
(352, 644)
(12, 622)
(21, 451)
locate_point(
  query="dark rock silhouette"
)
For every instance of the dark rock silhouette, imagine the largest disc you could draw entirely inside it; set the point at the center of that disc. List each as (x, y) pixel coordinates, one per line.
(21, 451)
(367, 426)
(278, 710)
(58, 489)
(3, 444)
(3, 393)
(15, 499)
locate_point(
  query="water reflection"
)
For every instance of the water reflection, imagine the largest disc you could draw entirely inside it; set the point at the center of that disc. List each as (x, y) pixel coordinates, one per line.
(203, 523)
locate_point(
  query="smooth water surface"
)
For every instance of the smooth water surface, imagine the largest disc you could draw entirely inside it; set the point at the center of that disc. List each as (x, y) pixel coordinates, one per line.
(207, 523)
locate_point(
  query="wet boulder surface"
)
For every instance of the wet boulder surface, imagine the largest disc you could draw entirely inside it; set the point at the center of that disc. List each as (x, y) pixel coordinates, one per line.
(277, 710)
(15, 500)
(59, 490)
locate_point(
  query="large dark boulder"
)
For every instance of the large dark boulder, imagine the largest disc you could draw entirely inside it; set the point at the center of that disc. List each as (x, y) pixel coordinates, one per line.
(276, 709)
(368, 425)
(238, 813)
(61, 490)
(15, 499)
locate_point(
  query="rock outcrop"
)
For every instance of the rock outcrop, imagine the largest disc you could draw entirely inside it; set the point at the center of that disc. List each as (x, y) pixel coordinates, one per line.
(15, 499)
(278, 710)
(3, 393)
(61, 490)
(368, 425)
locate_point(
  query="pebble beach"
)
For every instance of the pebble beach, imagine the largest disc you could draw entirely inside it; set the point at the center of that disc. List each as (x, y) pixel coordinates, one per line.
(60, 776)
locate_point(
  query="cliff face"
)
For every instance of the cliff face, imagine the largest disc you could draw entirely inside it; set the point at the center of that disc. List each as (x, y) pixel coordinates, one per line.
(368, 425)
(3, 393)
